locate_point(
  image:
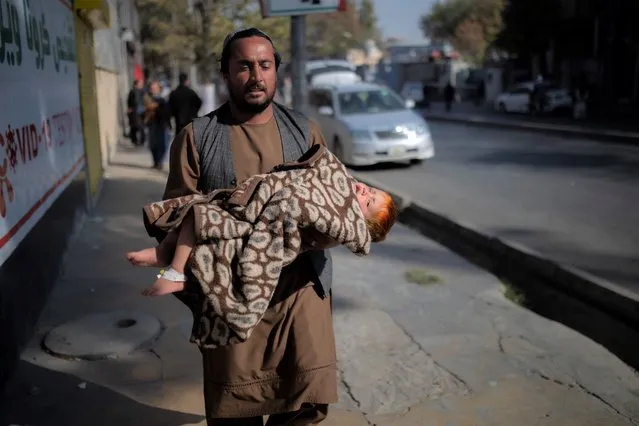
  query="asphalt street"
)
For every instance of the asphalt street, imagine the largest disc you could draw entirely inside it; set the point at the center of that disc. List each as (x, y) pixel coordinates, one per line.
(573, 200)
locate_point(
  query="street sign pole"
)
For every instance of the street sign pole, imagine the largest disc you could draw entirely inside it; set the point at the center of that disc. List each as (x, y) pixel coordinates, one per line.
(298, 61)
(297, 10)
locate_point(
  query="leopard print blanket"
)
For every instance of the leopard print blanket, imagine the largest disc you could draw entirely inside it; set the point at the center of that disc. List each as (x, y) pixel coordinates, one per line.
(245, 236)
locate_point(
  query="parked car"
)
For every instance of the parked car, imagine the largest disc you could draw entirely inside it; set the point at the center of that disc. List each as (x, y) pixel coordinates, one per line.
(517, 99)
(333, 75)
(367, 124)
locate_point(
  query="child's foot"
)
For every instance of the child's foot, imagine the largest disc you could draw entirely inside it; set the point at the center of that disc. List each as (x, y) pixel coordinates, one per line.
(163, 286)
(147, 257)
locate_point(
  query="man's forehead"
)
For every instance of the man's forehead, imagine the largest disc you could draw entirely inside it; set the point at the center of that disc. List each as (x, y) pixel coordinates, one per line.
(251, 46)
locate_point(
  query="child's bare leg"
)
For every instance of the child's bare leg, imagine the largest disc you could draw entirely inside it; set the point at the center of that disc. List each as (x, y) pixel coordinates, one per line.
(185, 242)
(158, 256)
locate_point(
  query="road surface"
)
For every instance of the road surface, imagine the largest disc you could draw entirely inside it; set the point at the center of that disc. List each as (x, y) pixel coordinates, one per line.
(576, 201)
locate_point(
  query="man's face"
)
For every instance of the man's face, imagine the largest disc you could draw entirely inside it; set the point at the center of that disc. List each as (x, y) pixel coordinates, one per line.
(138, 84)
(252, 78)
(155, 88)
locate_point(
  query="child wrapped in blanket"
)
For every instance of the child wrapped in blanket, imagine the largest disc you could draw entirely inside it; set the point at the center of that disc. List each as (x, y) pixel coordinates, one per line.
(309, 204)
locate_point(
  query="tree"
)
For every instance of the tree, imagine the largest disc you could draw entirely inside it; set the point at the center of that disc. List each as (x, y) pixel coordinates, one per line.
(470, 26)
(528, 27)
(368, 22)
(165, 32)
(169, 31)
(333, 34)
(330, 35)
(441, 23)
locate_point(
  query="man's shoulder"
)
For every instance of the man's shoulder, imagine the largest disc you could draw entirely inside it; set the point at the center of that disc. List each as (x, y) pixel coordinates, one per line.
(296, 113)
(200, 124)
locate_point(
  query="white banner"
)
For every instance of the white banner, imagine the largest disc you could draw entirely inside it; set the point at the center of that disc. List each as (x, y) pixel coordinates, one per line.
(297, 7)
(41, 143)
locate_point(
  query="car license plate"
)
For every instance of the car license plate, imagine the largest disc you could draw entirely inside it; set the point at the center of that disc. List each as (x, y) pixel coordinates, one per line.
(396, 151)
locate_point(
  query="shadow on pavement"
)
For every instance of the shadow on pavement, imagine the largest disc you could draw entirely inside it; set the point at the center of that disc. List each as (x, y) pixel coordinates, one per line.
(620, 269)
(616, 336)
(544, 298)
(380, 167)
(45, 397)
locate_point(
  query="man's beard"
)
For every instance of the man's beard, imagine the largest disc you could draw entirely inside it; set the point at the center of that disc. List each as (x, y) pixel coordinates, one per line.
(242, 105)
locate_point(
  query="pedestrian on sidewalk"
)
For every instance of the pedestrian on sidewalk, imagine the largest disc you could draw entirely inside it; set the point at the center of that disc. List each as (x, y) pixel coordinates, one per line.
(135, 109)
(287, 368)
(449, 95)
(158, 120)
(425, 96)
(184, 103)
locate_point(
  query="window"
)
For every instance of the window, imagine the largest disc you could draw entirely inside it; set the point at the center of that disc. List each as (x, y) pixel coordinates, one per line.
(369, 102)
(320, 98)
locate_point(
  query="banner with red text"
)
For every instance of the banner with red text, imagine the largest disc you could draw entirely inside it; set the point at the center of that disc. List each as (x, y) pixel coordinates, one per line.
(41, 143)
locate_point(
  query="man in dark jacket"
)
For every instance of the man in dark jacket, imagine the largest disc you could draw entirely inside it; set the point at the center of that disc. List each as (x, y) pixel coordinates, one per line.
(184, 103)
(135, 109)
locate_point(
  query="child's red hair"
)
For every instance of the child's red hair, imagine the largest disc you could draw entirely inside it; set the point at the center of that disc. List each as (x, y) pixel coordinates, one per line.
(380, 224)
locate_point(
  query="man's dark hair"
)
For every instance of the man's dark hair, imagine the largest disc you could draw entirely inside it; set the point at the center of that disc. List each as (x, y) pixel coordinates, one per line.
(240, 34)
(183, 78)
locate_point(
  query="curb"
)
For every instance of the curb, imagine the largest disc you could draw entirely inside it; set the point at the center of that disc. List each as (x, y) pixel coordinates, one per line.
(501, 255)
(618, 136)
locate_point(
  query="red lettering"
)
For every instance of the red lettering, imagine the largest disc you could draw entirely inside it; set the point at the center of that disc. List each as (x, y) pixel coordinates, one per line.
(4, 166)
(46, 133)
(59, 124)
(23, 143)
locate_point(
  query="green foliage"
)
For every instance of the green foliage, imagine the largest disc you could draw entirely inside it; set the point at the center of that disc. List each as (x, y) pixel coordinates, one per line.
(421, 277)
(165, 31)
(470, 26)
(170, 31)
(333, 34)
(368, 22)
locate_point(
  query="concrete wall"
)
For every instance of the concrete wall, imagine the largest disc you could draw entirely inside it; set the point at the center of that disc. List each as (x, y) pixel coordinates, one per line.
(110, 123)
(31, 271)
(115, 67)
(44, 191)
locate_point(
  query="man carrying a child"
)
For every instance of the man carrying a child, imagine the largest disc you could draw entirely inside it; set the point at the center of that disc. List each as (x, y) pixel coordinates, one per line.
(287, 368)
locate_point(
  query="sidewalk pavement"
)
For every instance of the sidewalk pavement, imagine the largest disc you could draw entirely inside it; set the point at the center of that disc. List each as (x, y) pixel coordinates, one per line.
(444, 349)
(485, 115)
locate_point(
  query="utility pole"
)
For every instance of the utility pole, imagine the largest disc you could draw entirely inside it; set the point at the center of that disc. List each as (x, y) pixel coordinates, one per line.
(298, 61)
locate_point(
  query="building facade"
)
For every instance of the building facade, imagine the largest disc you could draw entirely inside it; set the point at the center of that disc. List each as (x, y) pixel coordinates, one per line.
(50, 161)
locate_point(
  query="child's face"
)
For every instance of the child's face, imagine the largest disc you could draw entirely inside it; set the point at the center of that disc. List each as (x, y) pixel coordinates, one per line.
(370, 200)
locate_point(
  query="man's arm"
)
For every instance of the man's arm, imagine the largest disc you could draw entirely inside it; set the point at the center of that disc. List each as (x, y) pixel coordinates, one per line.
(184, 165)
(197, 102)
(130, 101)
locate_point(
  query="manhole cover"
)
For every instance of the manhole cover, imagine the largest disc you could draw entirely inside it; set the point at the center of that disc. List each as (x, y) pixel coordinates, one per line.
(103, 335)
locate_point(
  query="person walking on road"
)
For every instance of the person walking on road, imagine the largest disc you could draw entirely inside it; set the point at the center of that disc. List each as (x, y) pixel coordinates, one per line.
(158, 120)
(449, 95)
(184, 103)
(135, 109)
(287, 368)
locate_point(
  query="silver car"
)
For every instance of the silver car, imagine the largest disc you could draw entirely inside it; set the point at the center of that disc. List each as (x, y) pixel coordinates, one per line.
(366, 124)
